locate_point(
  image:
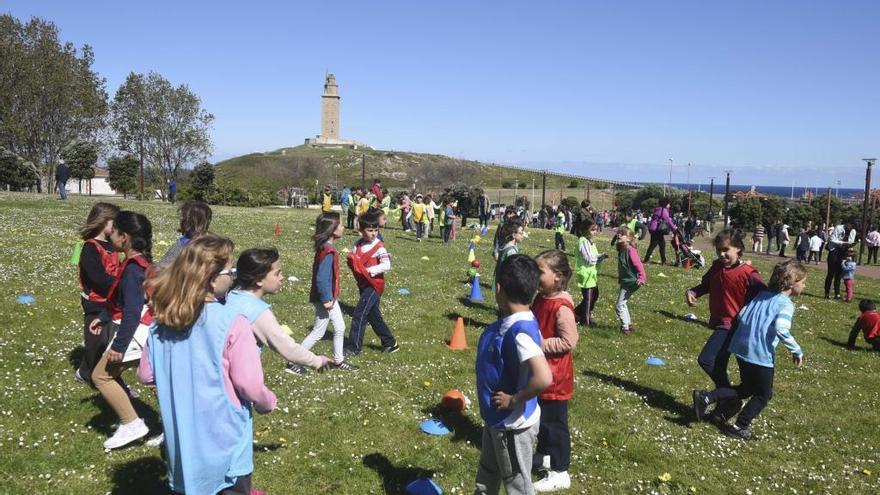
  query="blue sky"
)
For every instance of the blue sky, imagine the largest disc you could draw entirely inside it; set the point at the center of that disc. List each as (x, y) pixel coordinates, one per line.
(778, 92)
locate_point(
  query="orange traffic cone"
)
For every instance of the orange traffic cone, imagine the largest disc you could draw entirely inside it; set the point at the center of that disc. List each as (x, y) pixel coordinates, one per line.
(277, 229)
(687, 264)
(458, 342)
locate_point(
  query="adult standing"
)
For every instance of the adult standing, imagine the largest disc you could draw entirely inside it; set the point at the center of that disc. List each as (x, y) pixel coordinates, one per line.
(345, 202)
(838, 243)
(62, 175)
(172, 190)
(484, 209)
(758, 239)
(771, 233)
(660, 225)
(872, 240)
(464, 208)
(782, 240)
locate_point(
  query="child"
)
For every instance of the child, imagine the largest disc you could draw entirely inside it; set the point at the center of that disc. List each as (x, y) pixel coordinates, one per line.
(763, 323)
(868, 323)
(419, 216)
(405, 210)
(554, 310)
(257, 274)
(815, 248)
(511, 371)
(324, 293)
(803, 245)
(630, 275)
(98, 265)
(326, 200)
(126, 318)
(511, 235)
(498, 241)
(586, 270)
(448, 220)
(206, 414)
(195, 220)
(369, 261)
(432, 213)
(559, 228)
(848, 274)
(731, 284)
(350, 222)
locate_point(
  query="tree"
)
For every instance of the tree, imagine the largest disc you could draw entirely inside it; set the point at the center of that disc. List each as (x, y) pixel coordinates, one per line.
(202, 181)
(746, 213)
(16, 173)
(128, 119)
(81, 156)
(49, 94)
(123, 173)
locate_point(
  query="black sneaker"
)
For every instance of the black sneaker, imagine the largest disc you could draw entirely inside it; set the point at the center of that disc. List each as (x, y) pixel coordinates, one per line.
(701, 405)
(346, 366)
(349, 352)
(734, 431)
(725, 411)
(593, 323)
(295, 369)
(391, 349)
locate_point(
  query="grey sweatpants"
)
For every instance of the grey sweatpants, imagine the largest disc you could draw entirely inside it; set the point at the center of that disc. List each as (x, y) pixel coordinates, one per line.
(622, 308)
(506, 457)
(323, 316)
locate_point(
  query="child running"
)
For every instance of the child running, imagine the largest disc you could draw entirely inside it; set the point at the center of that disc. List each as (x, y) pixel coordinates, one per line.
(258, 274)
(204, 360)
(868, 323)
(511, 371)
(848, 274)
(324, 293)
(731, 284)
(763, 323)
(369, 261)
(630, 275)
(586, 268)
(98, 265)
(126, 317)
(554, 310)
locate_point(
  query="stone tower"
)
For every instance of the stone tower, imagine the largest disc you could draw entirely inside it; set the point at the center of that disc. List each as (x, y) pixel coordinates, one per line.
(330, 109)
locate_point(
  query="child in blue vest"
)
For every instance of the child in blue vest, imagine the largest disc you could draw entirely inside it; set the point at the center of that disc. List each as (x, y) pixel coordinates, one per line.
(511, 371)
(195, 220)
(763, 323)
(324, 293)
(207, 415)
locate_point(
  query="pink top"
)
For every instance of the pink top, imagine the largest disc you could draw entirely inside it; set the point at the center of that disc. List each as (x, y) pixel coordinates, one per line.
(242, 369)
(637, 264)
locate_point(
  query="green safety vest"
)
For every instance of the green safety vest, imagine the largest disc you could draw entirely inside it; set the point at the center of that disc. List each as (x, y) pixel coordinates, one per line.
(586, 275)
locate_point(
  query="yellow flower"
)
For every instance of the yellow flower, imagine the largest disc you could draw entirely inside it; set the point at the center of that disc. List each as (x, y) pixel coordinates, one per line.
(665, 477)
(866, 472)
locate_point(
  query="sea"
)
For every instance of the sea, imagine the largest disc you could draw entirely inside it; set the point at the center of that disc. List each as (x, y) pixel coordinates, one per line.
(782, 191)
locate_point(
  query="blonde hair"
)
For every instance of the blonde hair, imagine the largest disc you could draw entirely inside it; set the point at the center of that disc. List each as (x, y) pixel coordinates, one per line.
(557, 261)
(179, 292)
(786, 274)
(625, 237)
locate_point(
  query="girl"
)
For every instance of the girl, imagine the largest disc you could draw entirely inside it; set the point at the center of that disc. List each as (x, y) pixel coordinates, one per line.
(207, 415)
(258, 273)
(586, 267)
(125, 315)
(511, 234)
(848, 274)
(731, 284)
(554, 310)
(324, 294)
(630, 275)
(763, 323)
(98, 264)
(448, 220)
(432, 207)
(195, 220)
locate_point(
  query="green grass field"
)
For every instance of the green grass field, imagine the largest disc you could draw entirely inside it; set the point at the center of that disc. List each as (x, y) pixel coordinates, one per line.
(357, 433)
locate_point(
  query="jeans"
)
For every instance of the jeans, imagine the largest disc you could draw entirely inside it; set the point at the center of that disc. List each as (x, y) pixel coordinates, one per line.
(622, 307)
(757, 386)
(715, 356)
(657, 240)
(506, 456)
(367, 311)
(560, 241)
(62, 189)
(554, 438)
(447, 230)
(872, 254)
(420, 230)
(769, 244)
(323, 316)
(349, 221)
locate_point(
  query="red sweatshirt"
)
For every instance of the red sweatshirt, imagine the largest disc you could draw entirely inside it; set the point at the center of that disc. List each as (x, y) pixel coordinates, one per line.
(729, 290)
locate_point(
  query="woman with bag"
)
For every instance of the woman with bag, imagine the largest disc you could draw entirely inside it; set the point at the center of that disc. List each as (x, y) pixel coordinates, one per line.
(127, 318)
(660, 225)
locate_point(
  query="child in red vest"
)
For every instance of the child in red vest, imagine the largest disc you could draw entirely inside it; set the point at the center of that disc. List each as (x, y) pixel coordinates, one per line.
(868, 323)
(98, 264)
(554, 310)
(731, 283)
(126, 313)
(369, 261)
(324, 294)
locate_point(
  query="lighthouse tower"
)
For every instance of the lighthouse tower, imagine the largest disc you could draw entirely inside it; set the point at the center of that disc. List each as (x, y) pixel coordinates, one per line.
(329, 137)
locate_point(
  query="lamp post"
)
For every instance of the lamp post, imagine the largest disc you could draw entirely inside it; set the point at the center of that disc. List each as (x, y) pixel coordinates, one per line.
(726, 197)
(689, 188)
(364, 171)
(670, 177)
(870, 163)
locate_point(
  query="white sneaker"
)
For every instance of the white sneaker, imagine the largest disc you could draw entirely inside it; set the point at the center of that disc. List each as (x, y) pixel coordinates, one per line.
(540, 462)
(126, 434)
(156, 441)
(555, 480)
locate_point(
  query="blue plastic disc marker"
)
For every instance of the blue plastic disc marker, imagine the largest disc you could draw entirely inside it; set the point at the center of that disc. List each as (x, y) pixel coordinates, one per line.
(434, 427)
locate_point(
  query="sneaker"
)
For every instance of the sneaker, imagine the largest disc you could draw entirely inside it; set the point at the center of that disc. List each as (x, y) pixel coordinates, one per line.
(555, 480)
(79, 378)
(156, 441)
(295, 369)
(349, 352)
(126, 434)
(628, 330)
(734, 431)
(701, 405)
(346, 366)
(593, 323)
(391, 349)
(540, 462)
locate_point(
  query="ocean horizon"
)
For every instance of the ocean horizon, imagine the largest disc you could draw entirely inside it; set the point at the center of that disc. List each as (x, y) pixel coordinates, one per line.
(781, 191)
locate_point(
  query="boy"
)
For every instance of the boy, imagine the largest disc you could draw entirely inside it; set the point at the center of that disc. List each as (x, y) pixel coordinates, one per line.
(511, 233)
(868, 323)
(511, 371)
(368, 262)
(815, 248)
(763, 323)
(419, 216)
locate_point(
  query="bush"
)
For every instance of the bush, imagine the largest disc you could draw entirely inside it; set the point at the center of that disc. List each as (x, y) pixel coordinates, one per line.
(573, 184)
(507, 184)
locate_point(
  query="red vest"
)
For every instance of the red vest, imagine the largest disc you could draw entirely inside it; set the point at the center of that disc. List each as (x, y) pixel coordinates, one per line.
(728, 288)
(110, 262)
(359, 262)
(319, 257)
(562, 365)
(114, 310)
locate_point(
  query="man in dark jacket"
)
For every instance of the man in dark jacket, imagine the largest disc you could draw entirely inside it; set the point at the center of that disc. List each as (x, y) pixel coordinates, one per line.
(770, 228)
(62, 175)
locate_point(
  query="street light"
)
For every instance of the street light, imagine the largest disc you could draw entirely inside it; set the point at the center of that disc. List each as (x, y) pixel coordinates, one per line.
(869, 162)
(670, 177)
